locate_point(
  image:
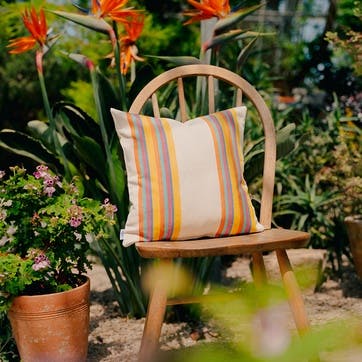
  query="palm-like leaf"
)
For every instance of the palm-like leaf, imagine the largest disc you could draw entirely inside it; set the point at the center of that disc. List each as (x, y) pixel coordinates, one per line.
(234, 17)
(87, 21)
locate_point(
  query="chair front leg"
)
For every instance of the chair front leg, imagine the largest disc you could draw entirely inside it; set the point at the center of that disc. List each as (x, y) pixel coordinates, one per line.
(293, 292)
(154, 320)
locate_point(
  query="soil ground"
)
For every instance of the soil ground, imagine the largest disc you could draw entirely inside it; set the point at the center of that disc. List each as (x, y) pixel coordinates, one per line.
(116, 339)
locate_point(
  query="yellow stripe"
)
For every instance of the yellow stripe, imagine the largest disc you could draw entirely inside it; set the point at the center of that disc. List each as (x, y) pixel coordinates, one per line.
(244, 189)
(153, 157)
(220, 176)
(238, 215)
(253, 217)
(241, 188)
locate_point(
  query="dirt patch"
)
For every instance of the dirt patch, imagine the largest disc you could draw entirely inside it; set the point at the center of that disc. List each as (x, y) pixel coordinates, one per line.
(115, 339)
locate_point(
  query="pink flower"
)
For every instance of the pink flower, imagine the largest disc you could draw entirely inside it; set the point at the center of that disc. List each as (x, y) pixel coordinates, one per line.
(75, 222)
(48, 180)
(76, 215)
(41, 262)
(41, 171)
(49, 191)
(110, 209)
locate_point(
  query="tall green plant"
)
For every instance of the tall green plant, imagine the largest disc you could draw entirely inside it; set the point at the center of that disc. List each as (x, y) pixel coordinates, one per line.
(75, 144)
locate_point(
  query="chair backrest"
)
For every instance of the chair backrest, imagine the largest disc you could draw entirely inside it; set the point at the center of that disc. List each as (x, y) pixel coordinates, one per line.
(243, 90)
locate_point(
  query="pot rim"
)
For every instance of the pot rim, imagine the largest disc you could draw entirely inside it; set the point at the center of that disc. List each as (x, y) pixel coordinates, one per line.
(86, 284)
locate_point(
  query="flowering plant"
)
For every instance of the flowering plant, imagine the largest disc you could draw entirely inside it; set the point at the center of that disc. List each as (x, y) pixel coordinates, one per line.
(46, 227)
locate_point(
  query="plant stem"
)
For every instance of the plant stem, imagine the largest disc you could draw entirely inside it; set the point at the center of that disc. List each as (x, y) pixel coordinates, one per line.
(120, 77)
(55, 143)
(39, 67)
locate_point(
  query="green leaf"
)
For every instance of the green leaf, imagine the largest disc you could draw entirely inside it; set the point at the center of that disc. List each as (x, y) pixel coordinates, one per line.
(144, 75)
(220, 39)
(107, 99)
(254, 167)
(88, 21)
(286, 140)
(91, 153)
(253, 34)
(117, 181)
(42, 132)
(235, 17)
(76, 121)
(79, 58)
(254, 159)
(244, 53)
(177, 60)
(24, 145)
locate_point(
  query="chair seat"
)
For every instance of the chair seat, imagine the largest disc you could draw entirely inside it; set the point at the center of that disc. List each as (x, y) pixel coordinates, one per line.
(266, 240)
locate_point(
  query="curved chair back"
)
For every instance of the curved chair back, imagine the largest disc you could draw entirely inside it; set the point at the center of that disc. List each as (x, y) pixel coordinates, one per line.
(243, 90)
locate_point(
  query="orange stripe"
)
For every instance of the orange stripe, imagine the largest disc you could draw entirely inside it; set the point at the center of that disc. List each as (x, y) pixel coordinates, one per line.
(156, 179)
(219, 170)
(233, 167)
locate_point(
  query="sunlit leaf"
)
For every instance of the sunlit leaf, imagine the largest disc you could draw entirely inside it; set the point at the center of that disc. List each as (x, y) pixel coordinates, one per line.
(245, 51)
(220, 39)
(235, 17)
(79, 58)
(178, 60)
(252, 34)
(88, 21)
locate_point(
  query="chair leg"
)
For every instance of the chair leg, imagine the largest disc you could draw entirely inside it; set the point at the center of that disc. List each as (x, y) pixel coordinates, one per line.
(259, 273)
(154, 320)
(293, 292)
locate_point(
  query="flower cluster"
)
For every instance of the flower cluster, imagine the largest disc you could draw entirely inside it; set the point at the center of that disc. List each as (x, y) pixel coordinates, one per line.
(132, 20)
(46, 226)
(352, 105)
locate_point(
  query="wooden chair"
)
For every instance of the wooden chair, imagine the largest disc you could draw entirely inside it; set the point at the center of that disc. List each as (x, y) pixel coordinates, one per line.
(252, 244)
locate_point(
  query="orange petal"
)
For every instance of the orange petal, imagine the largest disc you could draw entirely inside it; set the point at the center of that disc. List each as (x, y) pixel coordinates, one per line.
(36, 25)
(21, 45)
(122, 15)
(134, 26)
(107, 6)
(126, 58)
(207, 9)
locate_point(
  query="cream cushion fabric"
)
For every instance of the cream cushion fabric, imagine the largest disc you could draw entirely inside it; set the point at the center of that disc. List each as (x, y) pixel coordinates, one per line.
(185, 180)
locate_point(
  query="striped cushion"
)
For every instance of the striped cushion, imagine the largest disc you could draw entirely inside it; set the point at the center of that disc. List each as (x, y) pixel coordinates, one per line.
(185, 180)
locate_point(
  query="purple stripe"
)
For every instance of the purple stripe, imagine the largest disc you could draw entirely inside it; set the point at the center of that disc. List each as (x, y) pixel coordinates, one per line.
(145, 188)
(226, 182)
(165, 165)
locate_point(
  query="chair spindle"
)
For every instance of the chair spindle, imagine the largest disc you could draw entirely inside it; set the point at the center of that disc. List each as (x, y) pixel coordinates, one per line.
(181, 99)
(155, 107)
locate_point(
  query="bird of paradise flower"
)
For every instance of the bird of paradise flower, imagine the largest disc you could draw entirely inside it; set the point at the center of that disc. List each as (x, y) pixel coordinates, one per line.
(36, 24)
(124, 50)
(207, 9)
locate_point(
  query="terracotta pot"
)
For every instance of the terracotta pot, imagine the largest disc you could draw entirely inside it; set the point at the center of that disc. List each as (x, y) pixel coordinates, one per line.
(354, 230)
(52, 327)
